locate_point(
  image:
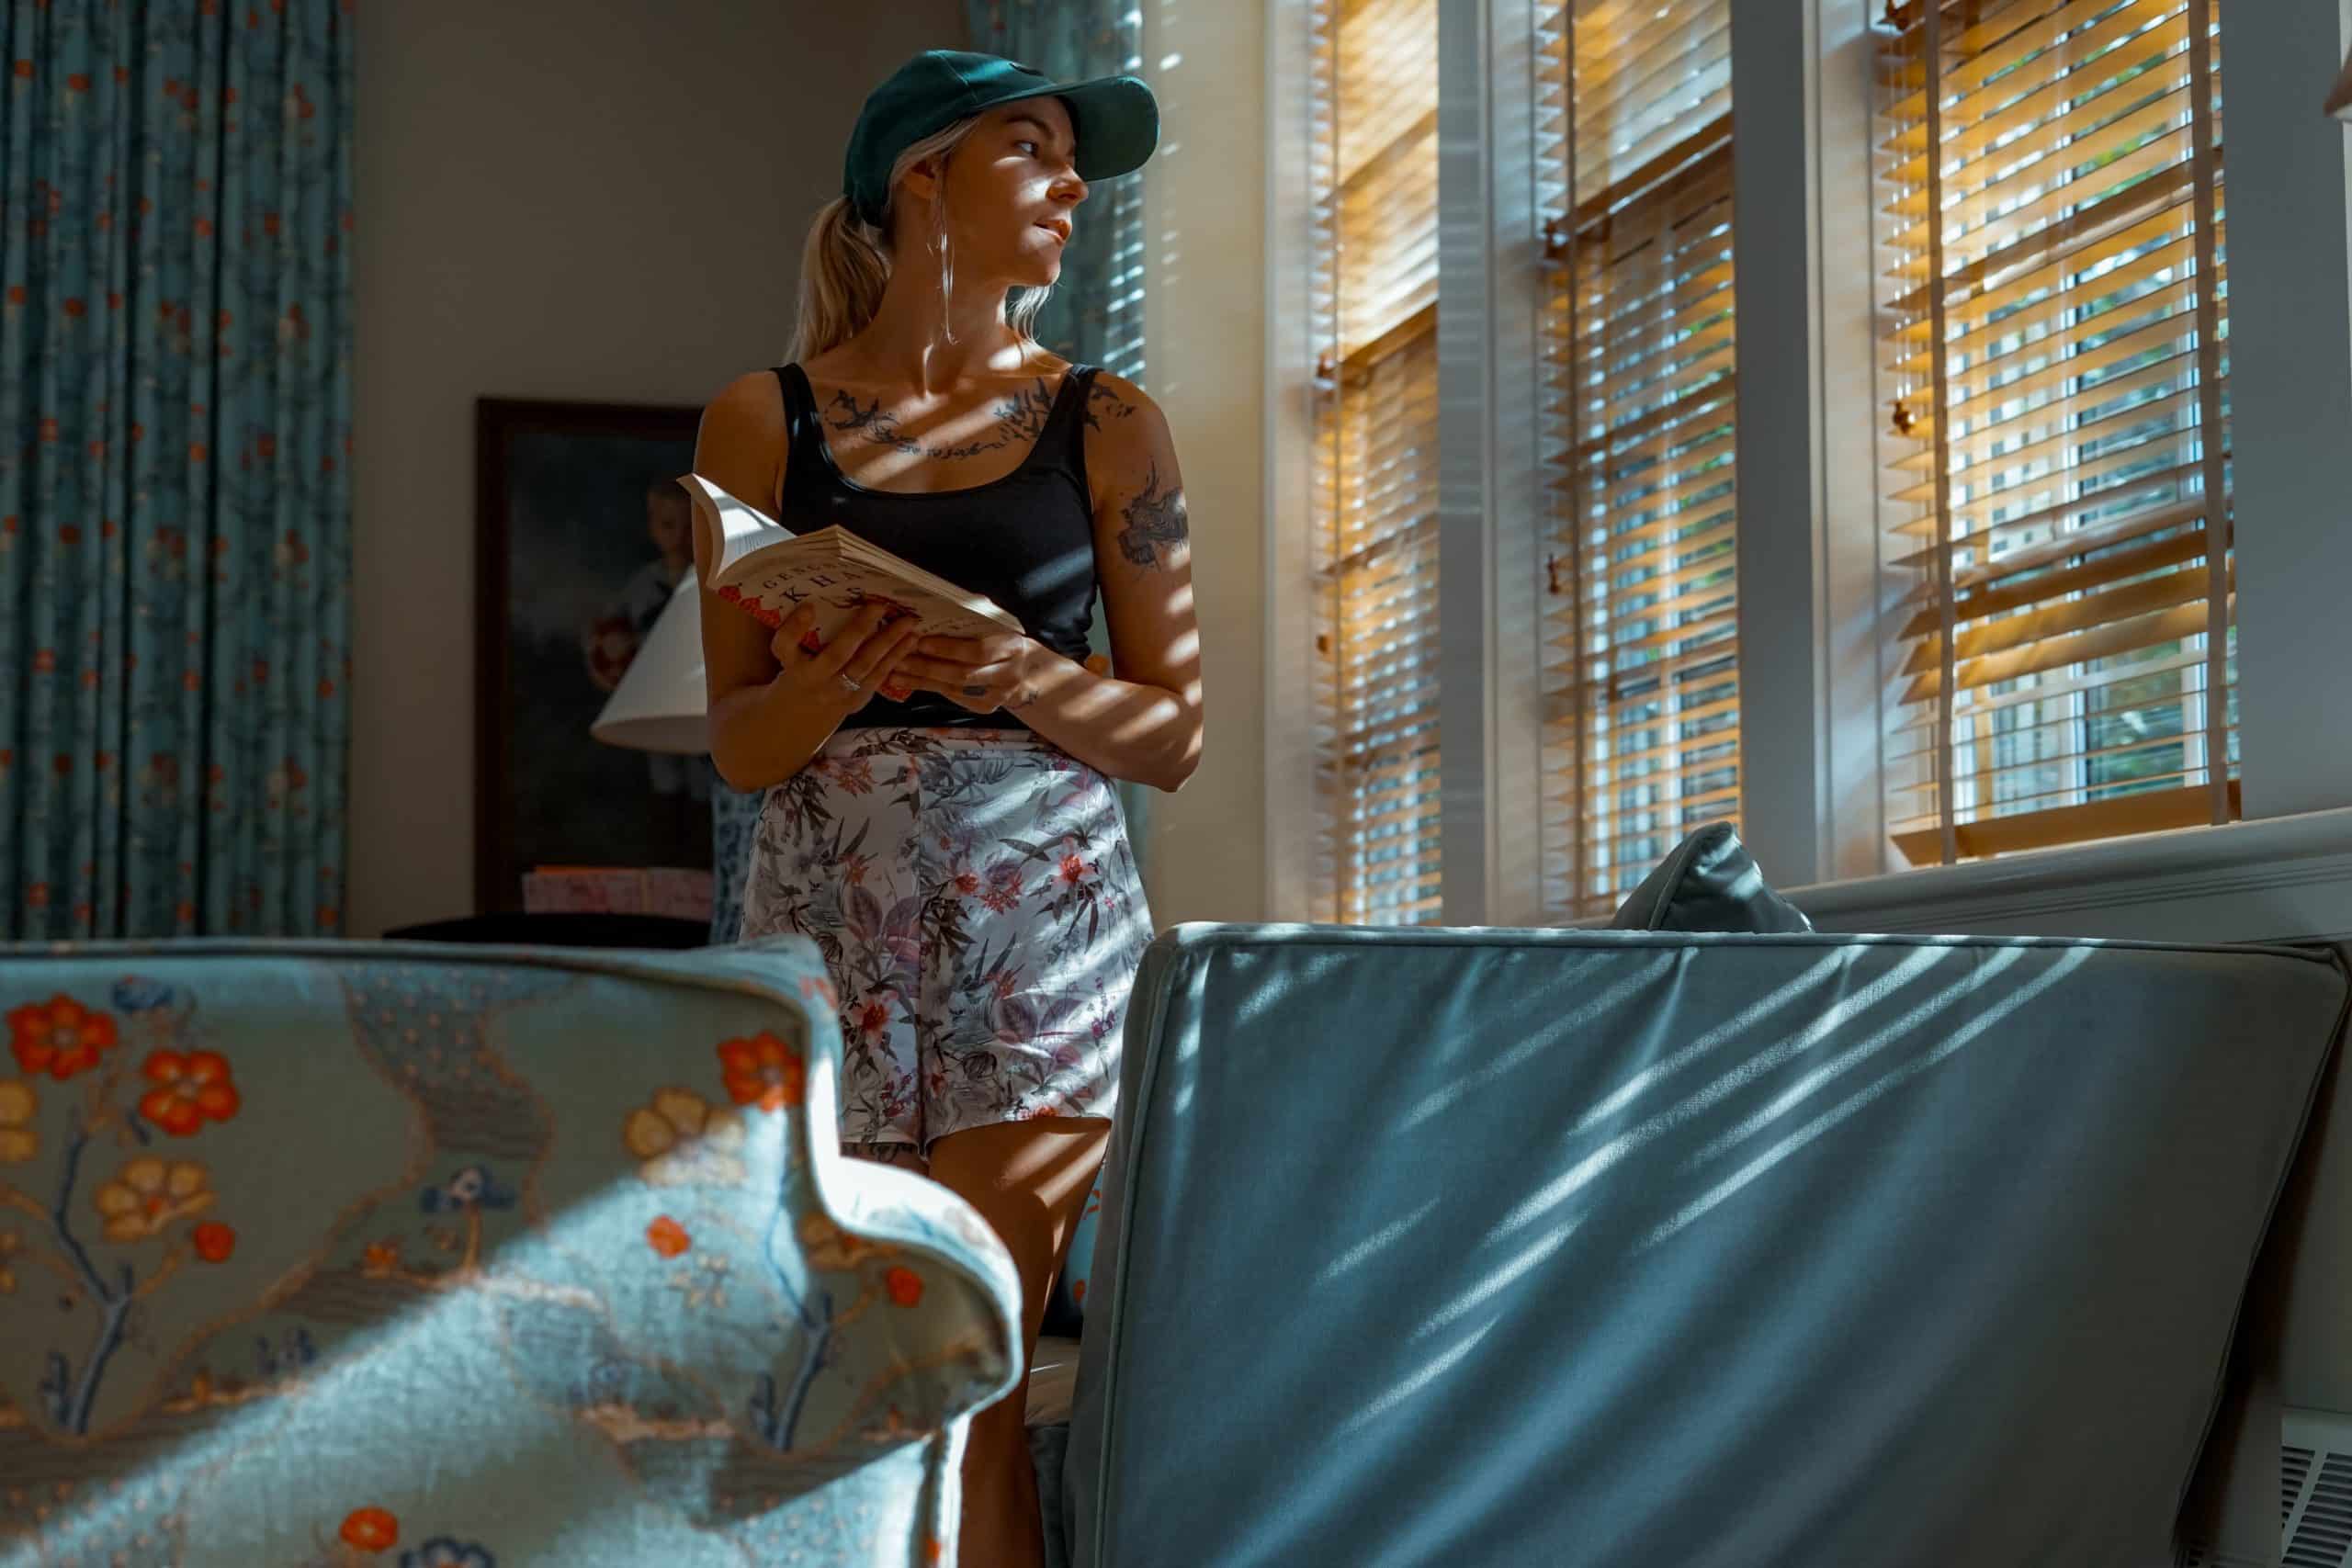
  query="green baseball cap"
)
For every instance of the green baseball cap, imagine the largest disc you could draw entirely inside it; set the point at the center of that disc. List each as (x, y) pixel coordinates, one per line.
(1116, 118)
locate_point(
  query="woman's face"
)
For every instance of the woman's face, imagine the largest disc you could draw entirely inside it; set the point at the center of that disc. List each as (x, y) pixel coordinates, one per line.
(1011, 193)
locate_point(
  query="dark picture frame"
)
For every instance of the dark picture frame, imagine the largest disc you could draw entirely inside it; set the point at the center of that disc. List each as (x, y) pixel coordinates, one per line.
(565, 532)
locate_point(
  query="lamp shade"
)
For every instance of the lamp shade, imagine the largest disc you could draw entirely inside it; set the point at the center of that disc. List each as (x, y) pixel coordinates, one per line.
(659, 704)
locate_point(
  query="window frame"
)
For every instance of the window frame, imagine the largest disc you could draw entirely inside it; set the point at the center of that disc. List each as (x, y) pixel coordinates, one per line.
(1814, 602)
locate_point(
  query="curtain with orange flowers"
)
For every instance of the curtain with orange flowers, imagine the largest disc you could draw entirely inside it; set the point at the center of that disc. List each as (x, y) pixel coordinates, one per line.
(174, 500)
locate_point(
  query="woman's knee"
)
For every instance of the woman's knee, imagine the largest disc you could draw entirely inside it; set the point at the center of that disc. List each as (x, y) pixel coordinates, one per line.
(1027, 1178)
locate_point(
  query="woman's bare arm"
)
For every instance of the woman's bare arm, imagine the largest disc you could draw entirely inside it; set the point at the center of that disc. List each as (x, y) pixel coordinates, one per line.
(770, 706)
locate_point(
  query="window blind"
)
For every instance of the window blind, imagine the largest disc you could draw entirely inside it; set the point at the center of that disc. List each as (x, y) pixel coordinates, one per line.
(1641, 660)
(1374, 178)
(2055, 301)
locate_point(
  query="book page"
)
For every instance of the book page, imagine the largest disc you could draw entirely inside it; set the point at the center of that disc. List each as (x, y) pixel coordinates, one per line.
(838, 590)
(764, 567)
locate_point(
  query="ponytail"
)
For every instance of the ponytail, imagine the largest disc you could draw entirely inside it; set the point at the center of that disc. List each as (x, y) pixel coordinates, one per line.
(843, 268)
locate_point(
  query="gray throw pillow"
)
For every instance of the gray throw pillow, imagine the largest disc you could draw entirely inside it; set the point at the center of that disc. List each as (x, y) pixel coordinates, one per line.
(1708, 883)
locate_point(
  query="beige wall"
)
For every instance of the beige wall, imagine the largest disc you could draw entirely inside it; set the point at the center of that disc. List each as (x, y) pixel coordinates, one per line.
(558, 200)
(1204, 348)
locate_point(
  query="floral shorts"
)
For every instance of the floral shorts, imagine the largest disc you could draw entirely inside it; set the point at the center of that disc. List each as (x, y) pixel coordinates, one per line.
(978, 908)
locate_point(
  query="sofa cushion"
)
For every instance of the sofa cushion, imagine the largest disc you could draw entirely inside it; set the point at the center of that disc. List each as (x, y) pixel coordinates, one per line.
(1708, 883)
(1676, 1247)
(470, 1255)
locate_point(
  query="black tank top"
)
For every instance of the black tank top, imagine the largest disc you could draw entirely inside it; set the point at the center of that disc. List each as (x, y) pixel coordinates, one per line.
(1025, 540)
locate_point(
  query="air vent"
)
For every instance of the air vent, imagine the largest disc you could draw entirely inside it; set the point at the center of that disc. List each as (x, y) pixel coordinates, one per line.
(2294, 1469)
(2315, 1497)
(2318, 1488)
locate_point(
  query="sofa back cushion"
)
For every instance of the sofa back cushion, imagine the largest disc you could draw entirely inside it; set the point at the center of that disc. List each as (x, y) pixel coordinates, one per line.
(486, 1254)
(1628, 1247)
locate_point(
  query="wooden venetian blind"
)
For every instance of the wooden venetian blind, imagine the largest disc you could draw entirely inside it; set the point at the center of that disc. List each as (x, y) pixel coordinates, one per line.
(1642, 658)
(1375, 297)
(2055, 308)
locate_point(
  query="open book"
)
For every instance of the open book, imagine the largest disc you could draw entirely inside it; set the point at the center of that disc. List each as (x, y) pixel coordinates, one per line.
(770, 570)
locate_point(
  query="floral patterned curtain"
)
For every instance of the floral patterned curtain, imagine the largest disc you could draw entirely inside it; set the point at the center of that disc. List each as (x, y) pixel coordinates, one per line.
(174, 503)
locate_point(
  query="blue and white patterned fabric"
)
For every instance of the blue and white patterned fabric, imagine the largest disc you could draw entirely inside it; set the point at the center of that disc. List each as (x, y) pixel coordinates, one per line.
(176, 348)
(462, 1257)
(734, 824)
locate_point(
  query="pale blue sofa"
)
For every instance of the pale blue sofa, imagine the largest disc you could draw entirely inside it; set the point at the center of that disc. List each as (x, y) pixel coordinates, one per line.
(1487, 1248)
(434, 1257)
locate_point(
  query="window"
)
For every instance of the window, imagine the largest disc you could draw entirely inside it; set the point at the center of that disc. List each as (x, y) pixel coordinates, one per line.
(1375, 481)
(1641, 661)
(1991, 603)
(2055, 454)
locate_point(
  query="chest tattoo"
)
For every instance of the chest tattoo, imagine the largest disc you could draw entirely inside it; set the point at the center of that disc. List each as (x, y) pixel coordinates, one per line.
(1020, 418)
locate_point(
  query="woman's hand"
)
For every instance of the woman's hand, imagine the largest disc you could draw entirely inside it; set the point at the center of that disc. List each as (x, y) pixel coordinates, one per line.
(1003, 670)
(842, 676)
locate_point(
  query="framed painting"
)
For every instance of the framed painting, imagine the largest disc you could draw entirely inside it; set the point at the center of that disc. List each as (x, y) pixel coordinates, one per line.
(582, 533)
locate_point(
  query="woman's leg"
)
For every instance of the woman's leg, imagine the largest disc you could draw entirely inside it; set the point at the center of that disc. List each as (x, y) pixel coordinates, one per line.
(1029, 1181)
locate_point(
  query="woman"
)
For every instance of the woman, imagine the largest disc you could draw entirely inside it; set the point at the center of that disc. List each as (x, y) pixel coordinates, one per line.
(939, 813)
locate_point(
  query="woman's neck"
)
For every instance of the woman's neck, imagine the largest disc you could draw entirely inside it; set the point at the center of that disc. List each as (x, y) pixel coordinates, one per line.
(907, 343)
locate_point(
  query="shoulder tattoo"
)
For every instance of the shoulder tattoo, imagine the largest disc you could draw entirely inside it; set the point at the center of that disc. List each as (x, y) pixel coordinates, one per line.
(1102, 402)
(1157, 533)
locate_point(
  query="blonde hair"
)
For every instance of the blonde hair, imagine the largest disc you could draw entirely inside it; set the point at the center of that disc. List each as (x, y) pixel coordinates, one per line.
(846, 262)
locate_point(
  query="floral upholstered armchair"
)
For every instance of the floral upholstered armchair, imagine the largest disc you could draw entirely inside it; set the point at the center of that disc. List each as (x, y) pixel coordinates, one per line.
(420, 1256)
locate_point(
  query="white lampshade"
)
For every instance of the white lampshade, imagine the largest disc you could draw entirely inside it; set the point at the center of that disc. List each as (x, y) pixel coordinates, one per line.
(2339, 102)
(659, 704)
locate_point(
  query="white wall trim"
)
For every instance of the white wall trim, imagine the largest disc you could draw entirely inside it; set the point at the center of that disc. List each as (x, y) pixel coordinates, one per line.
(1520, 502)
(1783, 470)
(2280, 879)
(1291, 721)
(1468, 458)
(2291, 397)
(1861, 605)
(1491, 278)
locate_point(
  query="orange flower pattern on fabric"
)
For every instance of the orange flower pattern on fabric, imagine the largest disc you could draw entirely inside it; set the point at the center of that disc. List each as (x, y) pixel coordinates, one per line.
(60, 1037)
(371, 1529)
(18, 1141)
(764, 1071)
(830, 1248)
(151, 1081)
(190, 1090)
(148, 1194)
(905, 1287)
(682, 1142)
(667, 1236)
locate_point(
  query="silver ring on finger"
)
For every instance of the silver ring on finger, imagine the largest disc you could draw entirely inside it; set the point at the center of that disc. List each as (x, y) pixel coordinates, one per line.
(848, 681)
